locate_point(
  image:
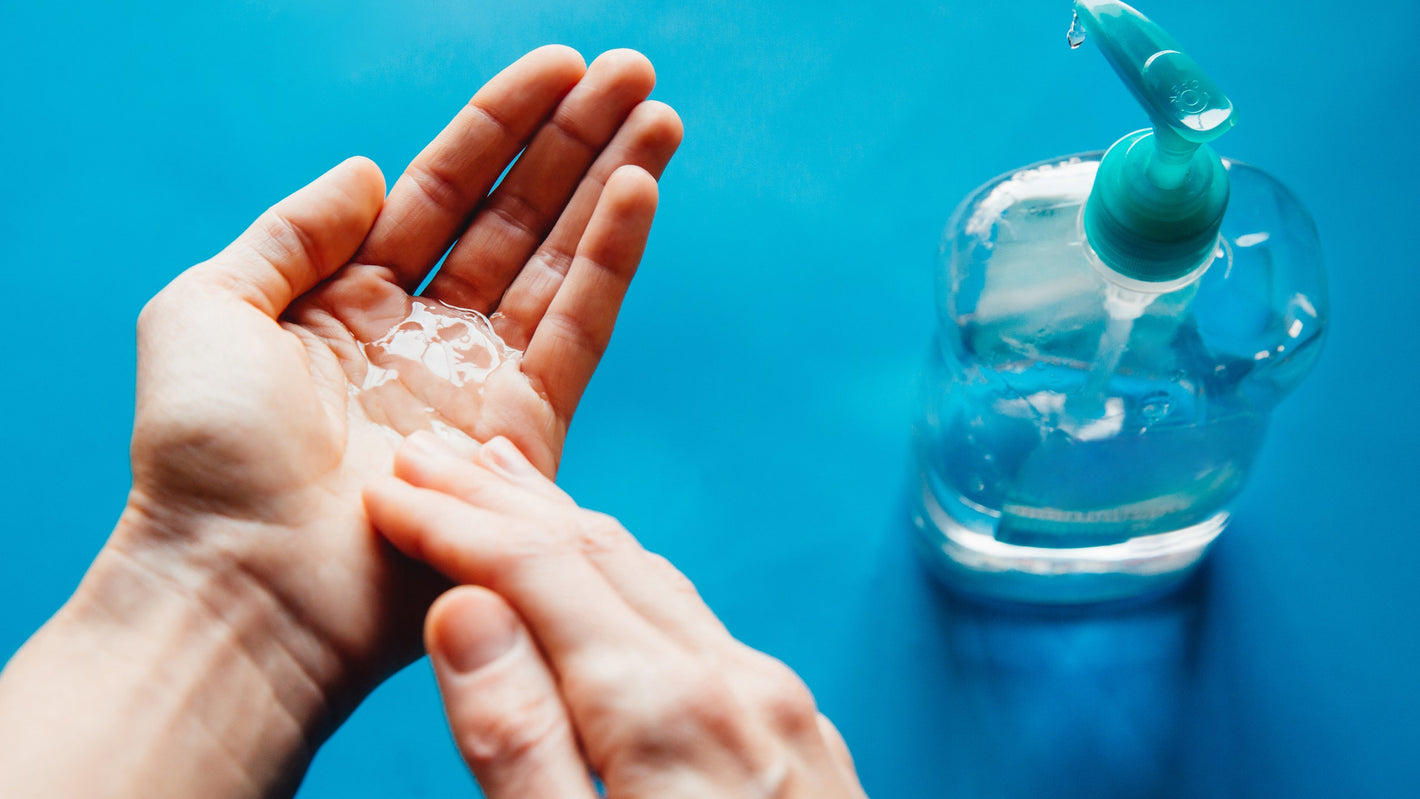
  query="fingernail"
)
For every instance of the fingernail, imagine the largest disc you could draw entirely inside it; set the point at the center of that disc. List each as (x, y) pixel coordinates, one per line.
(477, 633)
(501, 454)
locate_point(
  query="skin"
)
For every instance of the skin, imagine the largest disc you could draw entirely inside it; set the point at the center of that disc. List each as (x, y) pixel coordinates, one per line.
(245, 602)
(244, 605)
(573, 649)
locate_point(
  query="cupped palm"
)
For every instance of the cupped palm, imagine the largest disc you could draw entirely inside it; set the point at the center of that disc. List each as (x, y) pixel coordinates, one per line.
(249, 454)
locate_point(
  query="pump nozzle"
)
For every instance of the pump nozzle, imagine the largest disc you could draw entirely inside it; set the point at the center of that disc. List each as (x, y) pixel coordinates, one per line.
(1159, 196)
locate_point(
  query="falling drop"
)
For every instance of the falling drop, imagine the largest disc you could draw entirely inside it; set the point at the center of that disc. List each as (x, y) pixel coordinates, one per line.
(1076, 35)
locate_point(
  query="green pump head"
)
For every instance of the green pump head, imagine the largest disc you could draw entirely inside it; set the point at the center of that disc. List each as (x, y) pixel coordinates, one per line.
(1159, 196)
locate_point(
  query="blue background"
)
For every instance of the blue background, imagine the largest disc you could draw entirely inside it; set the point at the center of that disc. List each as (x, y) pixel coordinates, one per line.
(751, 421)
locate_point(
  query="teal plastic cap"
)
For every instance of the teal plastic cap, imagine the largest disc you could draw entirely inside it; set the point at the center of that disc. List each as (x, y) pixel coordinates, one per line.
(1159, 196)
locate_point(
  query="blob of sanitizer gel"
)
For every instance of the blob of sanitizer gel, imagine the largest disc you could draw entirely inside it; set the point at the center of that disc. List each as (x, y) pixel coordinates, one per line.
(1115, 329)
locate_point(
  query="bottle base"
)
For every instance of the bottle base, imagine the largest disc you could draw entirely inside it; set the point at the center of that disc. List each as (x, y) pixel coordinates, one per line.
(971, 560)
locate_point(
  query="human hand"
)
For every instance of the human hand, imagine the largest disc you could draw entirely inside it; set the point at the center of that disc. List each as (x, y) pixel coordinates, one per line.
(575, 650)
(246, 441)
(243, 605)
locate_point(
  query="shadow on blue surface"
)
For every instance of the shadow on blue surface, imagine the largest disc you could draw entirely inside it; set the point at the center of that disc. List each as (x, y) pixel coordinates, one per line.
(1078, 701)
(1019, 701)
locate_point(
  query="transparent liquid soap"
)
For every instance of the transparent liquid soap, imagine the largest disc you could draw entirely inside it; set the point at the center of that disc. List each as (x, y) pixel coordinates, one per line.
(1080, 442)
(456, 345)
(1076, 35)
(1115, 329)
(1122, 307)
(438, 355)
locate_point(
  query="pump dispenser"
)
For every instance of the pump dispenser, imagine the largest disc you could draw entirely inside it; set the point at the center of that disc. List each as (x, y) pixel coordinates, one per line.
(1159, 196)
(1115, 330)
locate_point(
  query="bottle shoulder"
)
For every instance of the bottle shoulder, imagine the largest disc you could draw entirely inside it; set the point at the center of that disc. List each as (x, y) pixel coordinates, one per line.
(1015, 283)
(1026, 193)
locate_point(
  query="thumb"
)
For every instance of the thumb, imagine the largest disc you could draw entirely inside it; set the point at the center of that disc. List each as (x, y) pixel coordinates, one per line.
(506, 715)
(301, 240)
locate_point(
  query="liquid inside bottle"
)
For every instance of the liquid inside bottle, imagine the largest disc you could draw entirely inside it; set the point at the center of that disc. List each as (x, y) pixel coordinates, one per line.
(1072, 449)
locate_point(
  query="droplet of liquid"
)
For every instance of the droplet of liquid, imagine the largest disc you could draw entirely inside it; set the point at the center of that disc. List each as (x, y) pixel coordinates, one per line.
(1076, 35)
(1154, 406)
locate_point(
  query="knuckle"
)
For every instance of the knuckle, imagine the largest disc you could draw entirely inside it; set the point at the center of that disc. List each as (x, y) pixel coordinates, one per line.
(782, 697)
(598, 533)
(518, 214)
(493, 116)
(698, 695)
(677, 711)
(570, 128)
(553, 261)
(677, 580)
(576, 335)
(290, 243)
(512, 729)
(596, 681)
(648, 714)
(525, 550)
(438, 187)
(649, 701)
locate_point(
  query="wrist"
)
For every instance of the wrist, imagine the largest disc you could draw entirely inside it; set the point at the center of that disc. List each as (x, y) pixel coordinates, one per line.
(169, 672)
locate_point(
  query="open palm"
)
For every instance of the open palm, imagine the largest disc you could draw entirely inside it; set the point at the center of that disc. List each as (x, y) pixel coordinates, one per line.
(250, 447)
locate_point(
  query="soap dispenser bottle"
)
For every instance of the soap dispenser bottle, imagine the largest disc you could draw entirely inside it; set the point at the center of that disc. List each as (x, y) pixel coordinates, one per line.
(1114, 331)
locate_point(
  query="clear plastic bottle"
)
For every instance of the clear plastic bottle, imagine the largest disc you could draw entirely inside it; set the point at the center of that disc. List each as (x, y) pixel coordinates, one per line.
(1097, 394)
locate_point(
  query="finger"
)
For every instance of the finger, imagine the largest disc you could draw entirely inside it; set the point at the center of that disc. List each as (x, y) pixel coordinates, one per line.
(301, 240)
(563, 599)
(648, 140)
(500, 479)
(521, 211)
(426, 461)
(502, 702)
(571, 337)
(431, 203)
(837, 747)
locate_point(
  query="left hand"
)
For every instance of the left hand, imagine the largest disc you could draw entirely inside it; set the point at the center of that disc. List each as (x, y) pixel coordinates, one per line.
(244, 426)
(248, 456)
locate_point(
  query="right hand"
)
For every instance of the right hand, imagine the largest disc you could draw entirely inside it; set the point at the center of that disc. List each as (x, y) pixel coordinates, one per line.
(577, 651)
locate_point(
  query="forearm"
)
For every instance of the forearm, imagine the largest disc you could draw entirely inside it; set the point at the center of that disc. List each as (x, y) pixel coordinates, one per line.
(142, 685)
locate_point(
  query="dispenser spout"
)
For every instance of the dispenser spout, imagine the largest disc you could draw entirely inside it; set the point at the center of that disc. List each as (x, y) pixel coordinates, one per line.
(1159, 195)
(1186, 107)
